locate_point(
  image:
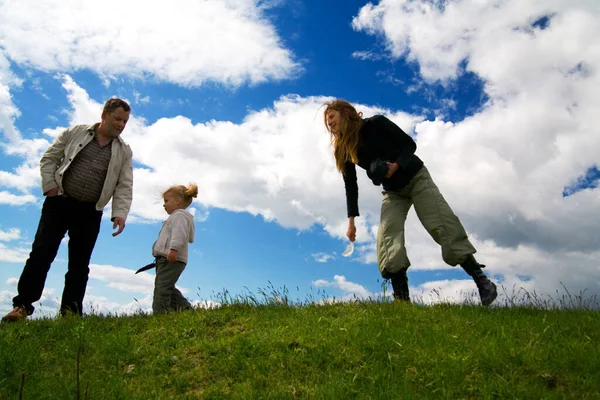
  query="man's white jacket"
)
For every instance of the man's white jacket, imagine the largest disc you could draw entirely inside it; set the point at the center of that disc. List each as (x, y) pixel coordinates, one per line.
(119, 177)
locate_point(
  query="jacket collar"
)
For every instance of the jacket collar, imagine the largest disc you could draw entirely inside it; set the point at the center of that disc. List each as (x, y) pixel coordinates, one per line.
(92, 129)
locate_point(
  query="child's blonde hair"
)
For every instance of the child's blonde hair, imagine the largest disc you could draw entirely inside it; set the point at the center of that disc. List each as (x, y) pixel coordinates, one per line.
(187, 194)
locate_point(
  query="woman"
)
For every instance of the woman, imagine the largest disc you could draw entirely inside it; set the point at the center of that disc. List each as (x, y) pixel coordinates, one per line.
(387, 154)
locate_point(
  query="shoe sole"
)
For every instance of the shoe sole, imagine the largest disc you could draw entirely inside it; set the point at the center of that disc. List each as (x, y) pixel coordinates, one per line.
(490, 301)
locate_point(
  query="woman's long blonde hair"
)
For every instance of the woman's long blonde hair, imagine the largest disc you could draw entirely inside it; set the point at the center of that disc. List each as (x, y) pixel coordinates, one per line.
(345, 141)
(187, 194)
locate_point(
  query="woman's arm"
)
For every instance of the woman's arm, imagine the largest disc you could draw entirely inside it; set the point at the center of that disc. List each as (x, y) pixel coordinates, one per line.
(351, 184)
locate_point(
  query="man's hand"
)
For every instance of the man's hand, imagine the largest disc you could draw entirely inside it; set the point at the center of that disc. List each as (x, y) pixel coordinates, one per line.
(52, 192)
(351, 232)
(172, 256)
(120, 222)
(393, 167)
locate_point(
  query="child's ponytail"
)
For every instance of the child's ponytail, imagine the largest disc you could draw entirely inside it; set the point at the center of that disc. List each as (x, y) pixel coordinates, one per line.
(187, 194)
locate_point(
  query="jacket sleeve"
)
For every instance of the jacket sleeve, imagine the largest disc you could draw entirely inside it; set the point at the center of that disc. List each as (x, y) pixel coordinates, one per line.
(351, 184)
(52, 158)
(179, 231)
(123, 194)
(401, 139)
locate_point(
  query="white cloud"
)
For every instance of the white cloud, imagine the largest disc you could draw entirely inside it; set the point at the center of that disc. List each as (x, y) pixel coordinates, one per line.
(47, 306)
(16, 200)
(446, 291)
(123, 279)
(5, 301)
(24, 178)
(440, 37)
(258, 166)
(229, 42)
(323, 257)
(206, 304)
(512, 291)
(366, 55)
(139, 99)
(348, 288)
(100, 305)
(126, 280)
(8, 111)
(13, 254)
(11, 234)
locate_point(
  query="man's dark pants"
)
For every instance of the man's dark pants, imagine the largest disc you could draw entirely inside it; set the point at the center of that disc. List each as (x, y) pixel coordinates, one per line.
(60, 215)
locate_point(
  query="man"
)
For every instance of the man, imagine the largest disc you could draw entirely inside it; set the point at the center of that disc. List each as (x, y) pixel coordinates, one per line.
(82, 170)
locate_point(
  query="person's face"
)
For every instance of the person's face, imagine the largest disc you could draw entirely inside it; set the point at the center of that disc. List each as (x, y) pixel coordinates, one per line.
(333, 120)
(114, 122)
(171, 202)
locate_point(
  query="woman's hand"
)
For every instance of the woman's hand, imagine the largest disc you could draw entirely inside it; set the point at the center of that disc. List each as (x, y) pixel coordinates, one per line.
(393, 167)
(351, 232)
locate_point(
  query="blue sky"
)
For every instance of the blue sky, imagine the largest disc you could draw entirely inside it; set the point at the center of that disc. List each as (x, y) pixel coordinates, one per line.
(499, 98)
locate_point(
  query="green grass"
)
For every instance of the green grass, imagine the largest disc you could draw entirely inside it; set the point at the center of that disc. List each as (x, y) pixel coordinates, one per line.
(250, 349)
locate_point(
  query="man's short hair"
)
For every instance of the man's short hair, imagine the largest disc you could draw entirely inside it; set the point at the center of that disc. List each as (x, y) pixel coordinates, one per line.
(114, 103)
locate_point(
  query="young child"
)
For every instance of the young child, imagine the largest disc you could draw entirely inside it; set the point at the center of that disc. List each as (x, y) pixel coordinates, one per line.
(171, 248)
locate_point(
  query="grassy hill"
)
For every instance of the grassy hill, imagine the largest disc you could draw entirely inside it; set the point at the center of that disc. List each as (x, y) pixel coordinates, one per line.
(362, 350)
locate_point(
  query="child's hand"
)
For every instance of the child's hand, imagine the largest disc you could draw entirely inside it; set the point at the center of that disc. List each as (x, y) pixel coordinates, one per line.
(172, 256)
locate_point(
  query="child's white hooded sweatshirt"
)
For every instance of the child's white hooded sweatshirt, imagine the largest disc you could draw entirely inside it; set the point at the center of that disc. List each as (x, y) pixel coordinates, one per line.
(177, 231)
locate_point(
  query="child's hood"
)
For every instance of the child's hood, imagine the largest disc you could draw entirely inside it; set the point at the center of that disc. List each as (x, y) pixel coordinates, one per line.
(190, 218)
